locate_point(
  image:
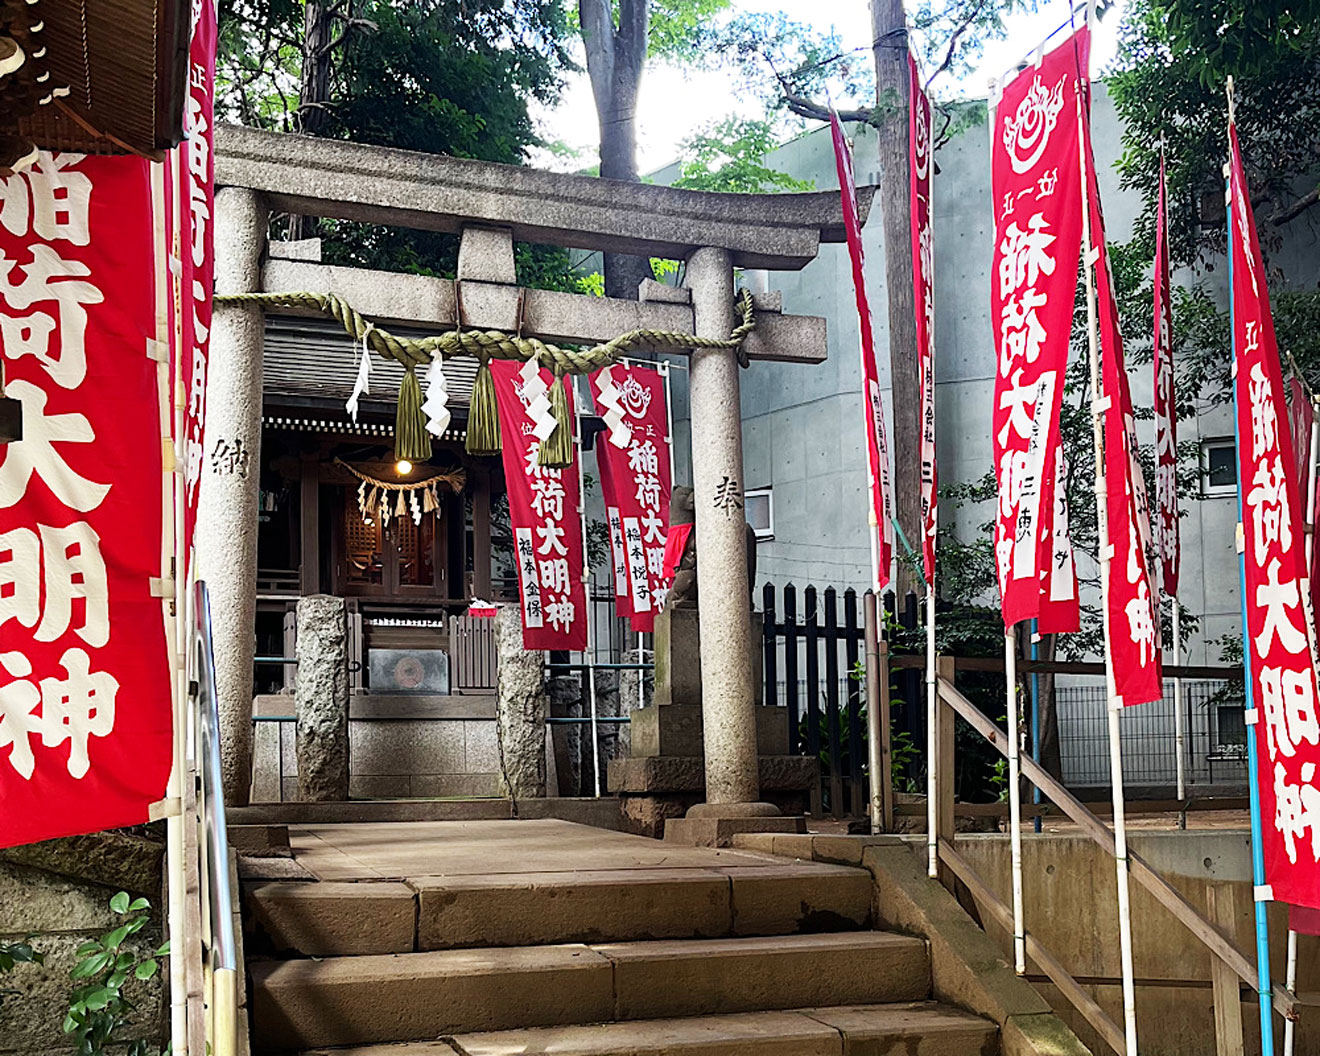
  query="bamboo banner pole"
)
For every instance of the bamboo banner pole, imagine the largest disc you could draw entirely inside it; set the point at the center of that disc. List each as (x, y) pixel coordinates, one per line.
(1099, 400)
(1035, 720)
(168, 320)
(1015, 801)
(875, 711)
(589, 653)
(1263, 983)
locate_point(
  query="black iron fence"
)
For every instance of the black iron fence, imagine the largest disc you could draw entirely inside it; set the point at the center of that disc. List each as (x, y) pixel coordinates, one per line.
(812, 648)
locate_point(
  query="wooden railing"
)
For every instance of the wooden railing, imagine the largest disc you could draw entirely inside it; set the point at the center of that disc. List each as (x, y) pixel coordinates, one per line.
(1228, 958)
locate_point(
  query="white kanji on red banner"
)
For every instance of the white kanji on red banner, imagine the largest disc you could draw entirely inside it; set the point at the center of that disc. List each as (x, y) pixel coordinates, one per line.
(85, 691)
(923, 279)
(1278, 637)
(544, 513)
(1036, 188)
(635, 482)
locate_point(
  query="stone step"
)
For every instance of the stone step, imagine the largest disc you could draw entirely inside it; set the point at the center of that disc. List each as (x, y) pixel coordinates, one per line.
(532, 909)
(918, 1029)
(406, 997)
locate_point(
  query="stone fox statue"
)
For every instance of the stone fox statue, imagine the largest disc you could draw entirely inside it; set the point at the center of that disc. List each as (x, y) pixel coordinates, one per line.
(683, 594)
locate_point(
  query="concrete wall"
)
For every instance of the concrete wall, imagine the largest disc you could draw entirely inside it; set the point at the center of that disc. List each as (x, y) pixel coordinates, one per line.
(802, 435)
(1069, 888)
(56, 912)
(388, 758)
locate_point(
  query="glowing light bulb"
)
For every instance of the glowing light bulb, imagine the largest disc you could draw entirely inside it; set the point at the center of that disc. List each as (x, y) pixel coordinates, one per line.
(403, 467)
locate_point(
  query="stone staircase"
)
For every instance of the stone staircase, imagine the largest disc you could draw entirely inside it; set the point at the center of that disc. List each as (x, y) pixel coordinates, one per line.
(746, 955)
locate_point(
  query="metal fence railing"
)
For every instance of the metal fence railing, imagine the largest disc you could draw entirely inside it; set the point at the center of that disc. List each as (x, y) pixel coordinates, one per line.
(1214, 738)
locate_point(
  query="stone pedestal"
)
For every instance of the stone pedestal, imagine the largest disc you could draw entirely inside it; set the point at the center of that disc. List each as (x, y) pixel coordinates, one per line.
(678, 656)
(675, 730)
(322, 699)
(657, 792)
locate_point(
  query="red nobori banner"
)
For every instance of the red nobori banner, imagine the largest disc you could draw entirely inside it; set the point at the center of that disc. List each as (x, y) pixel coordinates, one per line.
(1167, 538)
(85, 687)
(1278, 635)
(635, 482)
(194, 164)
(1132, 623)
(923, 280)
(877, 446)
(1036, 176)
(544, 515)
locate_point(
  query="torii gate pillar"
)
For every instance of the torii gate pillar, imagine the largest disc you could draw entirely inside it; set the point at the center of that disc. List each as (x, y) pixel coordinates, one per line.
(723, 593)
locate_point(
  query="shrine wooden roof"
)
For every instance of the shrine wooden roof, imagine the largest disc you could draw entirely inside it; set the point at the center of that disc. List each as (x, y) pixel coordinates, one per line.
(99, 77)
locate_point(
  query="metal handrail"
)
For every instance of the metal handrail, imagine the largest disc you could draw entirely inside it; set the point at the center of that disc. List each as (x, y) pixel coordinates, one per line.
(1216, 943)
(220, 963)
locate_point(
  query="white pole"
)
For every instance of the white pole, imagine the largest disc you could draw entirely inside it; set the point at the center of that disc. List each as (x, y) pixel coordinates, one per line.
(1015, 801)
(1290, 981)
(1089, 258)
(173, 403)
(932, 772)
(1179, 724)
(588, 654)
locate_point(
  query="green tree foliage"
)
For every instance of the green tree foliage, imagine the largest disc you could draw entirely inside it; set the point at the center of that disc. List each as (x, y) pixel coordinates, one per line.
(730, 156)
(453, 77)
(1175, 57)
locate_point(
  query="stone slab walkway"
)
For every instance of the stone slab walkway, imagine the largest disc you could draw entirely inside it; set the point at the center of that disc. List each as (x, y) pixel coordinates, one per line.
(411, 850)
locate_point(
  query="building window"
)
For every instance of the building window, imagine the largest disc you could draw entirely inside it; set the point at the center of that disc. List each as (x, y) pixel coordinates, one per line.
(1218, 467)
(761, 513)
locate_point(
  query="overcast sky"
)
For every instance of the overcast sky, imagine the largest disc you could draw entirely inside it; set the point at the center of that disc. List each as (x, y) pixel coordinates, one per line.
(676, 103)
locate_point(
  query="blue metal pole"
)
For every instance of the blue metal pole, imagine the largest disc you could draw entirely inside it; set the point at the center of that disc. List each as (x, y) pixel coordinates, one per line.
(1035, 718)
(1264, 986)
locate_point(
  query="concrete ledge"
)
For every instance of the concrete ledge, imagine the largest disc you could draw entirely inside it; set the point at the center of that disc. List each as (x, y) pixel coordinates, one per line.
(719, 832)
(839, 850)
(600, 813)
(381, 706)
(353, 181)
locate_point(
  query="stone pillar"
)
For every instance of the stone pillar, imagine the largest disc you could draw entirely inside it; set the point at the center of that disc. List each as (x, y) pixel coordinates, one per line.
(226, 538)
(728, 718)
(322, 699)
(520, 708)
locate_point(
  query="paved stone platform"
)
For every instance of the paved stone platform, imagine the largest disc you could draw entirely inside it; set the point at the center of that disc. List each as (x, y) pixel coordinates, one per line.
(412, 850)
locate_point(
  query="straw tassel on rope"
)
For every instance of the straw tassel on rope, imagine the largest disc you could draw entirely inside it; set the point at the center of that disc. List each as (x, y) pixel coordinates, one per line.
(483, 430)
(412, 442)
(557, 449)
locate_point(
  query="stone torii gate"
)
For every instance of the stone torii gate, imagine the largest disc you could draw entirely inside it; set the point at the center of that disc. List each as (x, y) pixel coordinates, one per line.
(490, 206)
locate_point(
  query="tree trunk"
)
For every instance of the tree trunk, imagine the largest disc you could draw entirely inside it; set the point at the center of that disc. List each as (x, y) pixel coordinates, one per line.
(615, 58)
(313, 90)
(888, 25)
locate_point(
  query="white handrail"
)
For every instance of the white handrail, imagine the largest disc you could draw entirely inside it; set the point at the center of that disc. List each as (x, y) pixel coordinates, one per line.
(219, 947)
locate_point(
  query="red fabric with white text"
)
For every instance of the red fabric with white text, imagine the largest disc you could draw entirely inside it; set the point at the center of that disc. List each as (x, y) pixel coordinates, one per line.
(1278, 636)
(1132, 631)
(1036, 191)
(85, 686)
(194, 164)
(877, 446)
(1167, 536)
(923, 281)
(635, 485)
(546, 521)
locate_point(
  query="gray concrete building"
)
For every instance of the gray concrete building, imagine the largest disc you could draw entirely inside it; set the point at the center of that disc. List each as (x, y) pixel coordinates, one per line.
(803, 439)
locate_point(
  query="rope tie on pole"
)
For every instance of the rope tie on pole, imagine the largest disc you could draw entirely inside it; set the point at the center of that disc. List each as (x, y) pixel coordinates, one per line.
(483, 435)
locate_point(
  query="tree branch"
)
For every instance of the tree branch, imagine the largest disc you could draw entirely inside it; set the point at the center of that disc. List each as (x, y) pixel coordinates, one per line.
(804, 107)
(1282, 216)
(953, 42)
